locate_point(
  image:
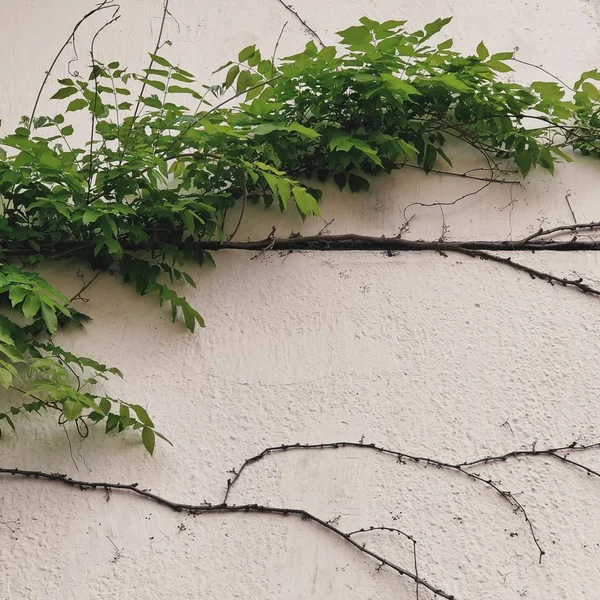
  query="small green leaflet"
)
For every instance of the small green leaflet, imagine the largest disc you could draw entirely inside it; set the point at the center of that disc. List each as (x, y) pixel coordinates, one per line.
(482, 51)
(148, 439)
(306, 204)
(64, 92)
(71, 409)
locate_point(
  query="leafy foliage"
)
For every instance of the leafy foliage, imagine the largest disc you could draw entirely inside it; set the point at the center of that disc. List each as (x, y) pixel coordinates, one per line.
(158, 173)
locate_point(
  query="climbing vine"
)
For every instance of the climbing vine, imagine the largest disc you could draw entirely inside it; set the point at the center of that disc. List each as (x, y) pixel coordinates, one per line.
(146, 188)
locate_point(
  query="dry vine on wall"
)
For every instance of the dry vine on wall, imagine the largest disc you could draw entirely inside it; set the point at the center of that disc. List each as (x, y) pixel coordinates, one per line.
(151, 190)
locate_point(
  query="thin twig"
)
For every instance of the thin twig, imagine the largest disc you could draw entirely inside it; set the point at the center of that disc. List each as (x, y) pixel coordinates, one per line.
(567, 198)
(540, 68)
(86, 285)
(70, 446)
(102, 6)
(534, 273)
(592, 225)
(464, 175)
(402, 457)
(449, 203)
(275, 49)
(308, 27)
(244, 201)
(399, 532)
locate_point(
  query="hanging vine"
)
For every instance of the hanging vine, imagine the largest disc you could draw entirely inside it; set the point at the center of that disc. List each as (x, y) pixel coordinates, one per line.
(165, 159)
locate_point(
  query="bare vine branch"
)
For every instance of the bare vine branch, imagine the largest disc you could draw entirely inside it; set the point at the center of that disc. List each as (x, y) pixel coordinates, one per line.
(399, 532)
(560, 453)
(244, 202)
(102, 6)
(534, 273)
(402, 457)
(312, 32)
(205, 508)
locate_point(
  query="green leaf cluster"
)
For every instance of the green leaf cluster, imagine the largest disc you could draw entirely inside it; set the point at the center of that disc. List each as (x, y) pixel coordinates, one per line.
(167, 158)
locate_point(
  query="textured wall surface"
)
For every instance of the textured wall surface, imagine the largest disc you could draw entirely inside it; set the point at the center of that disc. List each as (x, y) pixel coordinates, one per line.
(452, 358)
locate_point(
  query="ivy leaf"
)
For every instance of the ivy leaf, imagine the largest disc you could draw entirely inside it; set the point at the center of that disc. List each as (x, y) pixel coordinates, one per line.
(454, 83)
(548, 90)
(524, 162)
(105, 406)
(429, 158)
(546, 160)
(16, 294)
(112, 421)
(340, 179)
(191, 316)
(498, 65)
(305, 131)
(357, 183)
(591, 91)
(243, 82)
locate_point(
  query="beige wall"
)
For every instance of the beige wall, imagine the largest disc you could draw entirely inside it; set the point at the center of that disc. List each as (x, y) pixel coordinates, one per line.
(452, 358)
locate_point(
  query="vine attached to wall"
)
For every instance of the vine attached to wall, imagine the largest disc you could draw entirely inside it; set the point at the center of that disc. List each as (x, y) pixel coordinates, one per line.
(165, 159)
(464, 469)
(149, 187)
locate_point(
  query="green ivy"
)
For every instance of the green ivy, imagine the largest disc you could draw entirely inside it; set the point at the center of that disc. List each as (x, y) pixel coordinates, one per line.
(167, 158)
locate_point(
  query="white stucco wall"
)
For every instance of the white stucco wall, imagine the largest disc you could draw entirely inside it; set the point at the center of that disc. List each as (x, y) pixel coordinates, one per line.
(452, 358)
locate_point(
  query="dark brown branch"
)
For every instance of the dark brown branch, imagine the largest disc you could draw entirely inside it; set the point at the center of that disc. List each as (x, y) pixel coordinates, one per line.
(308, 27)
(244, 202)
(533, 273)
(573, 447)
(559, 453)
(402, 457)
(591, 226)
(85, 286)
(399, 532)
(205, 508)
(539, 241)
(275, 49)
(465, 175)
(356, 242)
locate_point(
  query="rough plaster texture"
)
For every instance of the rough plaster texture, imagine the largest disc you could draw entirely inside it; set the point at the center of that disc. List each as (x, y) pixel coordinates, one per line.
(447, 357)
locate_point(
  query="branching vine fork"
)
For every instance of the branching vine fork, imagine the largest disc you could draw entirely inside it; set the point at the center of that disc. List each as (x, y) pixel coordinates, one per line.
(559, 453)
